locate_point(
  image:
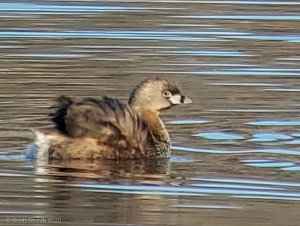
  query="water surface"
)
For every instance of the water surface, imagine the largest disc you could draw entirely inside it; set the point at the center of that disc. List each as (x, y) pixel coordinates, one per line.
(235, 158)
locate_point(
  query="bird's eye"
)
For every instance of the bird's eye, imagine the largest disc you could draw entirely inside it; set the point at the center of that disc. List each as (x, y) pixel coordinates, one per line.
(167, 94)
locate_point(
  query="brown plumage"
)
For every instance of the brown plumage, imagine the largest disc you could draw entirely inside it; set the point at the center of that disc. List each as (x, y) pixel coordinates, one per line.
(109, 129)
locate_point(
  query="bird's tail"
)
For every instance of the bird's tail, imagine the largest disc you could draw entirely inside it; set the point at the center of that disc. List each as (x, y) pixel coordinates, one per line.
(61, 109)
(42, 143)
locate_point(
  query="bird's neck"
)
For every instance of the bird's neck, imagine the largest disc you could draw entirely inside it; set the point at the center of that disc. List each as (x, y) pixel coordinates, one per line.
(151, 118)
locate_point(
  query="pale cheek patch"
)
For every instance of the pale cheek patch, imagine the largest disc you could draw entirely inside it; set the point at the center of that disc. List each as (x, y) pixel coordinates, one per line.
(175, 99)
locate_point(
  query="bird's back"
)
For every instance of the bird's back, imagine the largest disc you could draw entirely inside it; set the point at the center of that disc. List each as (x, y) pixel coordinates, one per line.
(110, 126)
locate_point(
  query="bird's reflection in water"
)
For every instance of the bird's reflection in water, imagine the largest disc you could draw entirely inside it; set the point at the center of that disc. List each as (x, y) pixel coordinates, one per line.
(59, 180)
(106, 169)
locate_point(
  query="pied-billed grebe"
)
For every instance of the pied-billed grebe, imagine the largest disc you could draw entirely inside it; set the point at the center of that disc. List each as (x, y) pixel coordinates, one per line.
(109, 129)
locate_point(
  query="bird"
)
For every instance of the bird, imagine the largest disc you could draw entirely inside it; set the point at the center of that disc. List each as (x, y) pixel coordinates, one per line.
(107, 128)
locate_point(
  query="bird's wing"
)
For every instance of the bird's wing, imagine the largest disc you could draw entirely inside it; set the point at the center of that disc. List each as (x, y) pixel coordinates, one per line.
(107, 119)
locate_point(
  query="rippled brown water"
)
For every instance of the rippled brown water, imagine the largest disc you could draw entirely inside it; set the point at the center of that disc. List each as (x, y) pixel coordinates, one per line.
(235, 150)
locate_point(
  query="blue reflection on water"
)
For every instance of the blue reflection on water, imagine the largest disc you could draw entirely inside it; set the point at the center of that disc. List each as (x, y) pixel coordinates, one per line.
(292, 168)
(272, 163)
(210, 53)
(266, 137)
(12, 156)
(242, 2)
(186, 190)
(219, 151)
(268, 163)
(50, 55)
(181, 159)
(266, 197)
(278, 151)
(283, 90)
(218, 185)
(286, 38)
(145, 35)
(246, 17)
(294, 142)
(202, 150)
(186, 122)
(206, 206)
(245, 73)
(219, 136)
(33, 8)
(275, 123)
(249, 181)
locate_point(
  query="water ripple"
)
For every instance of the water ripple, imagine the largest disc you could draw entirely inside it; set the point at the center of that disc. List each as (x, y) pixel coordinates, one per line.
(249, 181)
(186, 191)
(267, 137)
(219, 136)
(48, 55)
(143, 35)
(267, 163)
(187, 122)
(210, 53)
(34, 8)
(239, 61)
(233, 2)
(283, 37)
(277, 17)
(275, 123)
(246, 73)
(206, 206)
(246, 151)
(292, 168)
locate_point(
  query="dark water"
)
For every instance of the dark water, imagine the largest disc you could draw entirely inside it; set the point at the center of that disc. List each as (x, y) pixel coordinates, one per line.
(236, 156)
